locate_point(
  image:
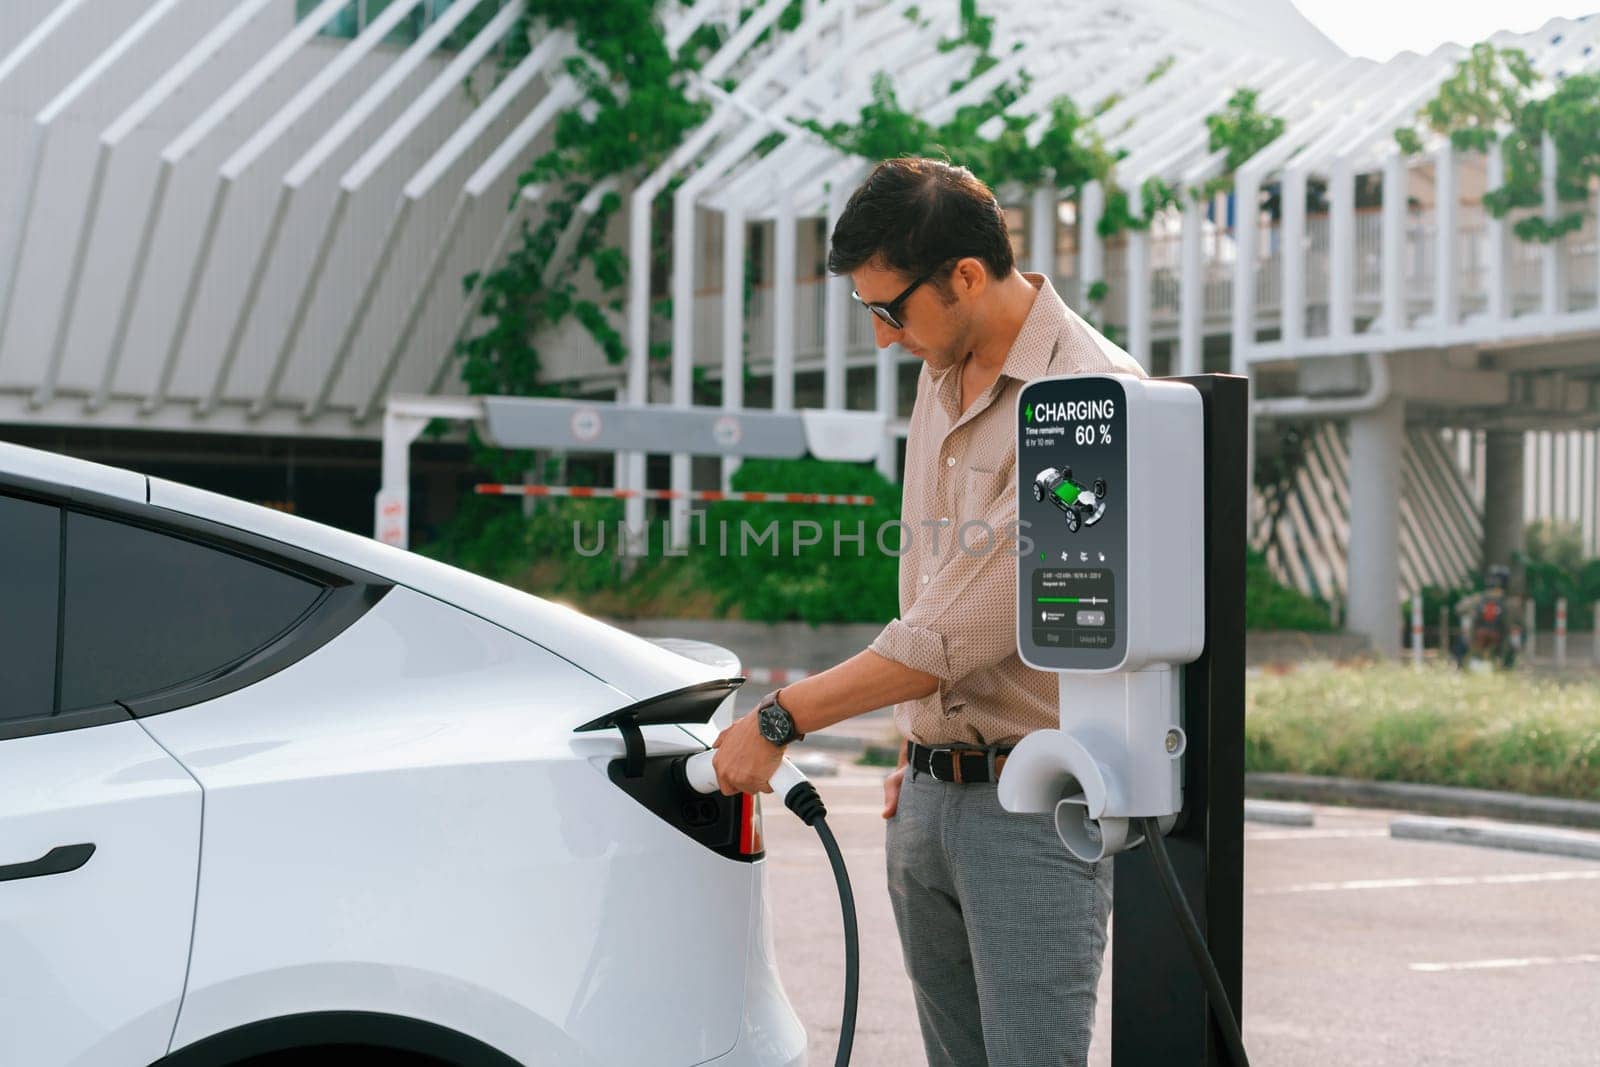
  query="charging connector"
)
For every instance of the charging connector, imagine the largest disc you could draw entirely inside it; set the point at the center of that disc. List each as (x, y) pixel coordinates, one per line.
(801, 797)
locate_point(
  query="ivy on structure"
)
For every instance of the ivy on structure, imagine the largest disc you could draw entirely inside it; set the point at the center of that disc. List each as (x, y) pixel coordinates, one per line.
(635, 111)
(1159, 71)
(1242, 131)
(1493, 96)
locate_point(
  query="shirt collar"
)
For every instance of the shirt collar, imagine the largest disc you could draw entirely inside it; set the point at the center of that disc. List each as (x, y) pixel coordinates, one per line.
(1030, 353)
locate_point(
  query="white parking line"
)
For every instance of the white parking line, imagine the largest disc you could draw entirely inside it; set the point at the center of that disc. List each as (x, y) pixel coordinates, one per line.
(1524, 961)
(1432, 883)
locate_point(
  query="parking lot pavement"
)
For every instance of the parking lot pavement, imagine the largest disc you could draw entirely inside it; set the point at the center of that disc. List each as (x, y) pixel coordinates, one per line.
(1359, 949)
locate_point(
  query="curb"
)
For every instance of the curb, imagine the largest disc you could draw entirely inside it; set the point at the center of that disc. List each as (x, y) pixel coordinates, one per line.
(1428, 799)
(1515, 838)
(1277, 813)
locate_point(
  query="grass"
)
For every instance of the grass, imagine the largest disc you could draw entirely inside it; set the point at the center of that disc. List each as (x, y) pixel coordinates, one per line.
(1436, 726)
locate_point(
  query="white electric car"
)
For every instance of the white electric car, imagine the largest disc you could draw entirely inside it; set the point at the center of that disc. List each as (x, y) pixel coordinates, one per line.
(269, 789)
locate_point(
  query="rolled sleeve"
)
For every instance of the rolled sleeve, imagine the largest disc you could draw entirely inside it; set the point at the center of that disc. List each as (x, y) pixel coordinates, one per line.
(916, 647)
(965, 617)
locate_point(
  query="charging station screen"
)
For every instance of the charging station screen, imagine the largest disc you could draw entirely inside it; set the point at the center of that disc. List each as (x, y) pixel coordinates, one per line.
(1071, 503)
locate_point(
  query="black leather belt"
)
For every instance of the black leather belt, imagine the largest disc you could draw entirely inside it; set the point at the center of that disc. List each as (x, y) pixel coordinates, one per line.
(956, 763)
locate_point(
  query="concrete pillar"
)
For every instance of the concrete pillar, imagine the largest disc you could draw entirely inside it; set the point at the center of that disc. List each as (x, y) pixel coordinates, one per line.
(1377, 442)
(1191, 291)
(1042, 232)
(1091, 246)
(1503, 500)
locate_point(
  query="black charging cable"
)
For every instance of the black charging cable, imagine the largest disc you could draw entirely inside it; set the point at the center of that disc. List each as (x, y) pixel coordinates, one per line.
(1221, 1009)
(804, 802)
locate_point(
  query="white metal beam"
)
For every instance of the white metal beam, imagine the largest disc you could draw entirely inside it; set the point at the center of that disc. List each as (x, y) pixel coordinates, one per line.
(361, 171)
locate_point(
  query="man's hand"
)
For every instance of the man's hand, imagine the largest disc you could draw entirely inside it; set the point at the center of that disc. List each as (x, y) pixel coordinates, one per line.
(745, 761)
(891, 790)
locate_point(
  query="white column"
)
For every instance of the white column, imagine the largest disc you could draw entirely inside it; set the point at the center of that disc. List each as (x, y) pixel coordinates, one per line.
(733, 235)
(1139, 296)
(1445, 306)
(1042, 232)
(835, 309)
(783, 299)
(1341, 249)
(1497, 305)
(1393, 250)
(1091, 247)
(685, 254)
(1245, 212)
(1553, 288)
(1191, 291)
(888, 402)
(631, 475)
(1292, 257)
(1377, 439)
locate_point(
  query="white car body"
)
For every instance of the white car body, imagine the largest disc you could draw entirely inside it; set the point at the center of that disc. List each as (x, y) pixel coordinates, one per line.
(396, 839)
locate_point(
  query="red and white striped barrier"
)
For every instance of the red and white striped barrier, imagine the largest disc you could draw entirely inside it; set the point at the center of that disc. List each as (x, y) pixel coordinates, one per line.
(602, 493)
(774, 675)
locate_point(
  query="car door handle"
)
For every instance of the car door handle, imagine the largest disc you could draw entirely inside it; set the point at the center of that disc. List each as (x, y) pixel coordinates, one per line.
(59, 860)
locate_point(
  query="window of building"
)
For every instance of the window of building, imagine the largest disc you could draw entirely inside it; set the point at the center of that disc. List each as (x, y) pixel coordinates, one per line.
(359, 14)
(146, 611)
(756, 253)
(30, 575)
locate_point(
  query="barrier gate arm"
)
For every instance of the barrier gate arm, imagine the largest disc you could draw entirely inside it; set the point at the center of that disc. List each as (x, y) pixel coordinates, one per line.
(603, 426)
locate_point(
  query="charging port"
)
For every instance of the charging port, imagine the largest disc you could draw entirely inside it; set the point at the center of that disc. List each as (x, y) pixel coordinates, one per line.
(728, 826)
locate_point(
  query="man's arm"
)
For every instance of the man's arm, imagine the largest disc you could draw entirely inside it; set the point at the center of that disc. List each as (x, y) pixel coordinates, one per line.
(862, 683)
(964, 619)
(745, 760)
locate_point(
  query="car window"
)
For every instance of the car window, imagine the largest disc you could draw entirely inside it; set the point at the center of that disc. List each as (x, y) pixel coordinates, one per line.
(30, 591)
(145, 611)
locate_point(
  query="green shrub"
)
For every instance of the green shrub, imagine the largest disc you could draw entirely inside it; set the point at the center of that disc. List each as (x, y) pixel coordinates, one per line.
(1271, 605)
(1554, 567)
(769, 581)
(780, 580)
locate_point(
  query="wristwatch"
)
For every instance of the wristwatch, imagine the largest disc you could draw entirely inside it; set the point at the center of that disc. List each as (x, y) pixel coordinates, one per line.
(775, 722)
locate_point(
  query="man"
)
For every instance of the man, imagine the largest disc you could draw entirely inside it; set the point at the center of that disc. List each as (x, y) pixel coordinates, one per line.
(1001, 929)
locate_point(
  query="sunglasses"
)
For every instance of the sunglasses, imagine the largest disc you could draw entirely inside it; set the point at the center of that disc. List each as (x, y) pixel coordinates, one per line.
(890, 312)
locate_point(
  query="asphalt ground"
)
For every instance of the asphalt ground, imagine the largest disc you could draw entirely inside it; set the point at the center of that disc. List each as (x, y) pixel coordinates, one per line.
(1359, 949)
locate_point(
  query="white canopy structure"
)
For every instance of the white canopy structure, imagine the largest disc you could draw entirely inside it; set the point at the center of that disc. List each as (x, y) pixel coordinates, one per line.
(214, 217)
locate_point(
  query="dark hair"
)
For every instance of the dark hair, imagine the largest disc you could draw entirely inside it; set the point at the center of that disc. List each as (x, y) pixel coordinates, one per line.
(914, 215)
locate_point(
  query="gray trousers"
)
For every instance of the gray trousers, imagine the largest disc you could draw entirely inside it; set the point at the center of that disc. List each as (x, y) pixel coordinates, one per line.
(1003, 931)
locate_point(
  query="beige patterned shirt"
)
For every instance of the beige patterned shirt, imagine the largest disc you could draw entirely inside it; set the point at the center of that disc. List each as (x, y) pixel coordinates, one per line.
(958, 615)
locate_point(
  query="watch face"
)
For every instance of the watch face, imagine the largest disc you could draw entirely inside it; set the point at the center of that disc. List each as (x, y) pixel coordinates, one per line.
(775, 724)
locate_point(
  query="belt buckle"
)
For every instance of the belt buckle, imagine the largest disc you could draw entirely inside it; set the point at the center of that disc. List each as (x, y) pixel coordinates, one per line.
(932, 753)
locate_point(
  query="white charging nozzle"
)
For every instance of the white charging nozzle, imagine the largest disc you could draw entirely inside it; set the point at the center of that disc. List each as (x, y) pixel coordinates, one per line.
(702, 777)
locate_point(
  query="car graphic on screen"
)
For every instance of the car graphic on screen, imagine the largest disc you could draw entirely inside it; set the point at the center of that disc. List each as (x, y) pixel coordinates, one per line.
(1082, 505)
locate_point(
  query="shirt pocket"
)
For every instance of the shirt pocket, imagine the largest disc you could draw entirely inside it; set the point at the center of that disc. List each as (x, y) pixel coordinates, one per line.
(981, 490)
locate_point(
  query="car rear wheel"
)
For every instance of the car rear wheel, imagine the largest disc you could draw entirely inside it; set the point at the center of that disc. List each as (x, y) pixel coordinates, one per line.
(1038, 491)
(1099, 488)
(1073, 522)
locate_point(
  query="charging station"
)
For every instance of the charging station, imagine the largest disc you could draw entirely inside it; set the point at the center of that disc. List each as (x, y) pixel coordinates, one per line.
(1133, 494)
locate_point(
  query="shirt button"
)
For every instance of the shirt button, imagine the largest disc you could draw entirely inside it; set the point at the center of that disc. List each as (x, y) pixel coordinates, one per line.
(944, 520)
(950, 461)
(924, 579)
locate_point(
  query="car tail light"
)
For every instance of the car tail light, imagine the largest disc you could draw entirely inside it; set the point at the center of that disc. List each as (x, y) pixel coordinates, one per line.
(751, 842)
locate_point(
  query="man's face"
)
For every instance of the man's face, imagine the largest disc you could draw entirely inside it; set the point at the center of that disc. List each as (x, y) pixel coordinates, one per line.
(936, 330)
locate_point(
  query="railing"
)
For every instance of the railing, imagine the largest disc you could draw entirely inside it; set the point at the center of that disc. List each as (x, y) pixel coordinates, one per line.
(1524, 275)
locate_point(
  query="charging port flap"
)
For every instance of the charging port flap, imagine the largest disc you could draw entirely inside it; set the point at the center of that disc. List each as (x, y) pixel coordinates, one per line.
(693, 703)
